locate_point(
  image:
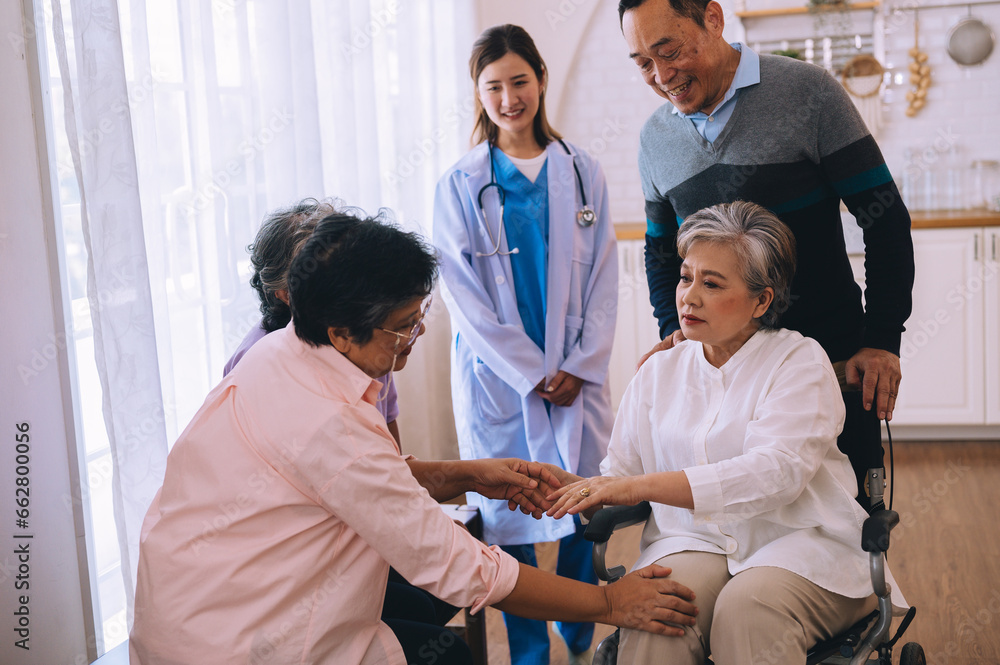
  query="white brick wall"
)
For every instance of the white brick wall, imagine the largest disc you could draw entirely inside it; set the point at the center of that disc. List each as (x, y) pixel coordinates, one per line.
(605, 102)
(963, 103)
(603, 108)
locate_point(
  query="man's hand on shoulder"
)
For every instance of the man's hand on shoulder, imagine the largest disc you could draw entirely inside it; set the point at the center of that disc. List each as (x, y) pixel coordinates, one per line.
(668, 343)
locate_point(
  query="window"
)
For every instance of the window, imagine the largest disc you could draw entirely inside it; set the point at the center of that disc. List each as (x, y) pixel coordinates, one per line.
(231, 108)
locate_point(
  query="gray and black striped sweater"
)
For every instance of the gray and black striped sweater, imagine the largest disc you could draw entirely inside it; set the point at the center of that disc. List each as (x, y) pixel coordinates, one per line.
(796, 145)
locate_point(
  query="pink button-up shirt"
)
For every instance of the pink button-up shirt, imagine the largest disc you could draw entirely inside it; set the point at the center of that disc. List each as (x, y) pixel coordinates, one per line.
(284, 504)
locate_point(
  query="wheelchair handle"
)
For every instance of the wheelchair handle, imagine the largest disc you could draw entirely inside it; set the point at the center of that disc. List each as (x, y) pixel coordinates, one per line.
(604, 523)
(608, 520)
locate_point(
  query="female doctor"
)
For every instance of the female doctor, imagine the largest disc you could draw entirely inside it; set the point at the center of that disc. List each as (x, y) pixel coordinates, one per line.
(530, 270)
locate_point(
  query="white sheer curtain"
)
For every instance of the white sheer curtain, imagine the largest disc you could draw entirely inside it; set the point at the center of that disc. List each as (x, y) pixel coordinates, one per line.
(99, 139)
(177, 126)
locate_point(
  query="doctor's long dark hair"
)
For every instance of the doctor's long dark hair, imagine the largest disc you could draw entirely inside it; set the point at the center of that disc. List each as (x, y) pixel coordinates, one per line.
(493, 44)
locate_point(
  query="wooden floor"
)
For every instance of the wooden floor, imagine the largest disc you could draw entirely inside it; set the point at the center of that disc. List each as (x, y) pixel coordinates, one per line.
(945, 554)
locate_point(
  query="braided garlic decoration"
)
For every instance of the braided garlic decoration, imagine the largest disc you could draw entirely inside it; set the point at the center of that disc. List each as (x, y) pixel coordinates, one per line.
(920, 76)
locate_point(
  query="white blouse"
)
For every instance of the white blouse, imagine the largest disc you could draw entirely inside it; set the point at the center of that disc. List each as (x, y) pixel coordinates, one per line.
(757, 439)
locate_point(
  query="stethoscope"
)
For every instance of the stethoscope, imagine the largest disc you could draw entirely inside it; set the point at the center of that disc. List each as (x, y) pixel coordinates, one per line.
(585, 216)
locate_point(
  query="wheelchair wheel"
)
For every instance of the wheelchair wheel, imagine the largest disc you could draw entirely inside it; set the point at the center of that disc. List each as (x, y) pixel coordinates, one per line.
(912, 654)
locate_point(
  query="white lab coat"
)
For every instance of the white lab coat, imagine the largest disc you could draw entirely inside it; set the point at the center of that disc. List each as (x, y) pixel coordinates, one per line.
(495, 365)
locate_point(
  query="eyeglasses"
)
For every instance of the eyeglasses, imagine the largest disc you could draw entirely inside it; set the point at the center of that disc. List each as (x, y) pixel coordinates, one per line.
(411, 336)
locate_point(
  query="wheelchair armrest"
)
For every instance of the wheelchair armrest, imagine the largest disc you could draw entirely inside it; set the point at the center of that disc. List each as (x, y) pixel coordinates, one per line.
(608, 520)
(875, 531)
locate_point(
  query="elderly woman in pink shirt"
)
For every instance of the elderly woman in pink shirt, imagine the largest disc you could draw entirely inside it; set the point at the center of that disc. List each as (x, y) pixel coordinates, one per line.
(286, 500)
(281, 233)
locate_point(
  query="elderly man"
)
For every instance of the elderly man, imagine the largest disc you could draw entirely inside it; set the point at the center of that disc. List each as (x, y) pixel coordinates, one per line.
(785, 135)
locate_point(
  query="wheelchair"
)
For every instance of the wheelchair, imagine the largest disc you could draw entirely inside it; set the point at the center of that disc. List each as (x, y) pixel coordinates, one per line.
(869, 637)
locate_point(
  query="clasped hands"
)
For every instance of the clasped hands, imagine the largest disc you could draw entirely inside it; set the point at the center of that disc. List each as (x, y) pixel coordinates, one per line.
(645, 599)
(524, 485)
(562, 390)
(537, 488)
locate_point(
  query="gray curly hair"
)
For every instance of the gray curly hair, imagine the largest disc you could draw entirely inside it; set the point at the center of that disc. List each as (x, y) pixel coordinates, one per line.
(280, 236)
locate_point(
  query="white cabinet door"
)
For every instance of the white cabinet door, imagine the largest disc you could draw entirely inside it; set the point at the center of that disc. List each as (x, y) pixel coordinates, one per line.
(991, 280)
(623, 353)
(942, 352)
(647, 330)
(636, 330)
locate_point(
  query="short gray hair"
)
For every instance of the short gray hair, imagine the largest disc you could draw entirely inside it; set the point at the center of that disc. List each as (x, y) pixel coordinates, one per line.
(764, 247)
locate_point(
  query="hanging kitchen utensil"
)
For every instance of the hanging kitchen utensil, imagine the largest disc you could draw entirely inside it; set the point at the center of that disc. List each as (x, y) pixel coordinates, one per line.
(862, 78)
(920, 72)
(862, 75)
(970, 41)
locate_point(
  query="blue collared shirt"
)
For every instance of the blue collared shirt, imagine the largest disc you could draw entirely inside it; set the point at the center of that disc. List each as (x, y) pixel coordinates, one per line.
(747, 74)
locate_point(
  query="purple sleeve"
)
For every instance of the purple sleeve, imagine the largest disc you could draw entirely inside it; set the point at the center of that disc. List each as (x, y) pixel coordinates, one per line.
(389, 405)
(253, 336)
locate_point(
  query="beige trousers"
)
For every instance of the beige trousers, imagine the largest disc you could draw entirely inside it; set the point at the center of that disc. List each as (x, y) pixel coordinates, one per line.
(761, 616)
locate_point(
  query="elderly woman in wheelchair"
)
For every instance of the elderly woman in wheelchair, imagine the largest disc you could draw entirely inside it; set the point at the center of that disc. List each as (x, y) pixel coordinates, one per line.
(732, 437)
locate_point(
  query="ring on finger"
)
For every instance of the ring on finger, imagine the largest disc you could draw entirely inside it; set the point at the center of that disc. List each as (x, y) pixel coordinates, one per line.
(585, 492)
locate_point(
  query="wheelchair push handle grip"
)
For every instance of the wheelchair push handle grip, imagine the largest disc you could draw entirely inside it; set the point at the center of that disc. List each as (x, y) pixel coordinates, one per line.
(875, 531)
(608, 520)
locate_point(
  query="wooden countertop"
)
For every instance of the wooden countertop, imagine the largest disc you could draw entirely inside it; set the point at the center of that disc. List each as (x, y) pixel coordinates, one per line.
(949, 219)
(630, 230)
(920, 219)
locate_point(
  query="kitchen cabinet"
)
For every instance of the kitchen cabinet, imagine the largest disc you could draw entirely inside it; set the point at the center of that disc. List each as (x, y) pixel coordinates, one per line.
(636, 330)
(942, 354)
(991, 300)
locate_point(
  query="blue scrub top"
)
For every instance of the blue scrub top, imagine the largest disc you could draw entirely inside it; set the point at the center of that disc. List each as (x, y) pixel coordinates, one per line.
(526, 223)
